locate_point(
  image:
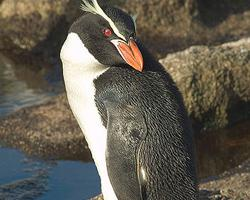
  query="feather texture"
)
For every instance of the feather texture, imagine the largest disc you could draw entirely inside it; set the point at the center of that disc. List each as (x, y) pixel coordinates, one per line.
(134, 17)
(96, 9)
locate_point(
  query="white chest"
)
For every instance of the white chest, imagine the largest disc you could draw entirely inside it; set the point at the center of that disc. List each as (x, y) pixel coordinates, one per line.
(80, 68)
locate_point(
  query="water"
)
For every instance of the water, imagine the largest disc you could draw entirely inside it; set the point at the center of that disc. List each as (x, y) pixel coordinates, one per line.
(24, 178)
(24, 85)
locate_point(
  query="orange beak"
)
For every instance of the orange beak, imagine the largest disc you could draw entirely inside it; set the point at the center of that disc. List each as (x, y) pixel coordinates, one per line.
(130, 53)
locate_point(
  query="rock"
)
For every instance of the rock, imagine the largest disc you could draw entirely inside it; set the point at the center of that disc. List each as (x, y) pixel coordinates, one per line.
(214, 82)
(40, 26)
(99, 197)
(48, 131)
(162, 24)
(171, 25)
(231, 185)
(31, 25)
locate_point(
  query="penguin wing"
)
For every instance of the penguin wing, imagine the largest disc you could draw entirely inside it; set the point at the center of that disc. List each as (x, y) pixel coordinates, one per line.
(126, 131)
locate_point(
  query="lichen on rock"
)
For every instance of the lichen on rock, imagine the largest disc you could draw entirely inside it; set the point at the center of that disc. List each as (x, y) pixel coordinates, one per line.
(214, 82)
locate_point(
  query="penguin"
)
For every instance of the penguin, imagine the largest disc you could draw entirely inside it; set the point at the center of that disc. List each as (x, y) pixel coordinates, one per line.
(129, 109)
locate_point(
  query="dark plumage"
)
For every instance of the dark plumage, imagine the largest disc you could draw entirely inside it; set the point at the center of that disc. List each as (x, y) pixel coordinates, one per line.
(149, 148)
(147, 127)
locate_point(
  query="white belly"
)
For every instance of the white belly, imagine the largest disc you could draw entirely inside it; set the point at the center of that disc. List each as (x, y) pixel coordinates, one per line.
(79, 74)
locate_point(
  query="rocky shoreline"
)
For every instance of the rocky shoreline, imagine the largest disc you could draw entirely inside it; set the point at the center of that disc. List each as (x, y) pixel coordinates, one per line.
(50, 131)
(213, 72)
(231, 185)
(39, 27)
(214, 82)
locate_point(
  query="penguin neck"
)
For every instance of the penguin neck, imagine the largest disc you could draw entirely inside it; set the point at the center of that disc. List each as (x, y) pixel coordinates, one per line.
(79, 65)
(80, 69)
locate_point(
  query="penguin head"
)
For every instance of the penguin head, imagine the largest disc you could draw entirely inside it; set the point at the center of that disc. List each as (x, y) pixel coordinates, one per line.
(108, 34)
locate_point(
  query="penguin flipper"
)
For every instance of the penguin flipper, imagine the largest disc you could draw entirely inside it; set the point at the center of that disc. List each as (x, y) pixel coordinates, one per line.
(126, 133)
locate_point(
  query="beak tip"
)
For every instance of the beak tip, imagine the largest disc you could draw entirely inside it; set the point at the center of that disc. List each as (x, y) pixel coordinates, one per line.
(138, 67)
(131, 54)
(141, 65)
(141, 69)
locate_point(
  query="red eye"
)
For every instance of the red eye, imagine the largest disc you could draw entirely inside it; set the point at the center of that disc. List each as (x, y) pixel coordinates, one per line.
(107, 32)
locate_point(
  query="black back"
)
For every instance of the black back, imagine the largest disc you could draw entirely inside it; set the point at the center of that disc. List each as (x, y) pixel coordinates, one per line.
(148, 128)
